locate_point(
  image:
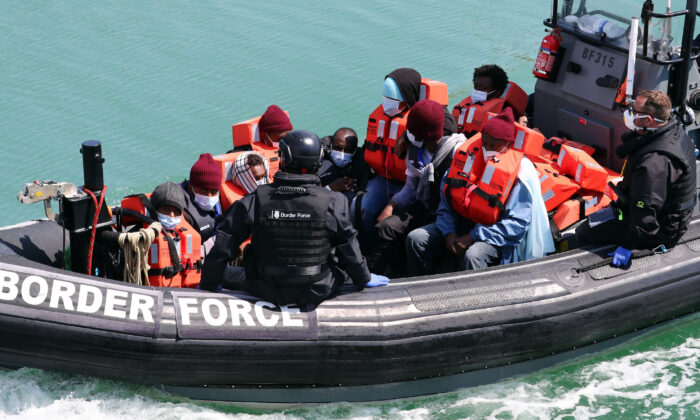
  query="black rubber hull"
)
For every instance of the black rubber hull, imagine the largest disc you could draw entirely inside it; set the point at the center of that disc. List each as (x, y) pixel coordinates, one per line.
(232, 346)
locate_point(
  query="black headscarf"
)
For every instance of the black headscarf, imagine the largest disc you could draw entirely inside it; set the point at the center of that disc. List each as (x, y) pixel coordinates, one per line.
(409, 84)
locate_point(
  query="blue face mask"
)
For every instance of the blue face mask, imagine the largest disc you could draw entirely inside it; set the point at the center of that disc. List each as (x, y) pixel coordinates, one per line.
(205, 202)
(168, 222)
(341, 159)
(413, 140)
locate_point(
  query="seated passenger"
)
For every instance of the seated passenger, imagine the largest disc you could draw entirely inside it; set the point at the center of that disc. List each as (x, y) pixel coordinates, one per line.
(294, 223)
(400, 92)
(202, 206)
(250, 170)
(175, 255)
(168, 200)
(490, 83)
(658, 192)
(521, 229)
(428, 159)
(343, 168)
(272, 126)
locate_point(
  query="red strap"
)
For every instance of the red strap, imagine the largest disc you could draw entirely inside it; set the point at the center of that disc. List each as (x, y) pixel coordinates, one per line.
(389, 159)
(98, 207)
(467, 196)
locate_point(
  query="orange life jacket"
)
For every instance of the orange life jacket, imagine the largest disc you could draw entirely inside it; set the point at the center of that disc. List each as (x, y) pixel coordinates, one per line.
(552, 147)
(383, 131)
(578, 207)
(556, 187)
(613, 178)
(476, 189)
(583, 168)
(247, 133)
(471, 116)
(184, 245)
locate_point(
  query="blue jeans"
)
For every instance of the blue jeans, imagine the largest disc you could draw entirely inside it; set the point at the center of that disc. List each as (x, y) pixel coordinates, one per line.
(425, 244)
(379, 192)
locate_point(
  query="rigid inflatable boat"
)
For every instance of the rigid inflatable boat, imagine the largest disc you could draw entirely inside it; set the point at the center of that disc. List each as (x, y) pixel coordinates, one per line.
(416, 336)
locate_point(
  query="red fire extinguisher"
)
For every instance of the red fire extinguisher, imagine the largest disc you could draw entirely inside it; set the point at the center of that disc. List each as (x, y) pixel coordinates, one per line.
(548, 55)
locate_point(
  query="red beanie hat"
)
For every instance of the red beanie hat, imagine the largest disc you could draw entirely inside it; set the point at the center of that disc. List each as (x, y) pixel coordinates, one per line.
(206, 173)
(501, 126)
(274, 120)
(426, 120)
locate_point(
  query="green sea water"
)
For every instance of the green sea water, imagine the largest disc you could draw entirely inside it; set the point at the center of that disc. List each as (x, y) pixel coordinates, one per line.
(158, 83)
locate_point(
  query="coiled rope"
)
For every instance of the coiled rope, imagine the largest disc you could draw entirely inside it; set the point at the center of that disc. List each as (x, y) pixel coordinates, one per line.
(136, 246)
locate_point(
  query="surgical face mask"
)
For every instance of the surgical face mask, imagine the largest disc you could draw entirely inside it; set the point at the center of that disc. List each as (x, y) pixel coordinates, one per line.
(168, 222)
(341, 159)
(488, 154)
(274, 143)
(205, 202)
(391, 106)
(261, 181)
(413, 140)
(479, 95)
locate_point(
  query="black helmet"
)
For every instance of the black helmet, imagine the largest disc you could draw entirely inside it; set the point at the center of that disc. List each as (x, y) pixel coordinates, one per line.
(300, 152)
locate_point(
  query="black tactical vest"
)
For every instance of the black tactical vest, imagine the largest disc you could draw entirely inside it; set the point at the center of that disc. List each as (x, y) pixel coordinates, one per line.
(290, 233)
(675, 144)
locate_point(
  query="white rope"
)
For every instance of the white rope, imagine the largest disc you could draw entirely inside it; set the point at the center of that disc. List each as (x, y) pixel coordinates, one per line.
(136, 246)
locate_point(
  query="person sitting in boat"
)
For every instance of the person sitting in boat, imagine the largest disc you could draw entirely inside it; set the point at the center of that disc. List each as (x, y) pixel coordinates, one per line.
(343, 168)
(294, 223)
(501, 229)
(250, 170)
(657, 193)
(401, 90)
(168, 200)
(202, 206)
(272, 126)
(428, 158)
(492, 93)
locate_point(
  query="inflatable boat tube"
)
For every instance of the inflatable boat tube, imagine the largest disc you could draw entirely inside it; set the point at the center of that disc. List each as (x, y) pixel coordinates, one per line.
(416, 336)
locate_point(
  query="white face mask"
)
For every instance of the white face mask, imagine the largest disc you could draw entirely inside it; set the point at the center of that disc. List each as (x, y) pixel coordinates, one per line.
(391, 106)
(341, 159)
(261, 181)
(488, 154)
(413, 140)
(629, 121)
(168, 222)
(479, 96)
(205, 202)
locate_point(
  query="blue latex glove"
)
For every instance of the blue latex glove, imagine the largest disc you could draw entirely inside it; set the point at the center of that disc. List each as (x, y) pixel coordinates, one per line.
(621, 256)
(377, 280)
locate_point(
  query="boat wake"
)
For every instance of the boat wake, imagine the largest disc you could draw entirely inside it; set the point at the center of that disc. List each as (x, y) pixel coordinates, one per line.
(652, 376)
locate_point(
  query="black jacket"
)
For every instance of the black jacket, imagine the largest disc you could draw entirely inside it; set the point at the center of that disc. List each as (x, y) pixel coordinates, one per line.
(202, 221)
(357, 169)
(238, 225)
(659, 186)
